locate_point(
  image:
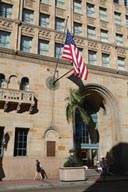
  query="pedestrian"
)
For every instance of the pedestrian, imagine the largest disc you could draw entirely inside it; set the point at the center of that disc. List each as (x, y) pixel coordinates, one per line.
(104, 166)
(38, 170)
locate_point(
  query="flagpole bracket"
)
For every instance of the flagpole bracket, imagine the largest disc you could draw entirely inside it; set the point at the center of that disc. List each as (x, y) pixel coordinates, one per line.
(51, 83)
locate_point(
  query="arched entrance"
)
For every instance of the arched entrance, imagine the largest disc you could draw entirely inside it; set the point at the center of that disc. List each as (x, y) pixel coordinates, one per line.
(95, 140)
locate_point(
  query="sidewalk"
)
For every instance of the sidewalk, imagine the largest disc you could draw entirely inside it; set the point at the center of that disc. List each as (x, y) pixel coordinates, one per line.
(46, 183)
(50, 183)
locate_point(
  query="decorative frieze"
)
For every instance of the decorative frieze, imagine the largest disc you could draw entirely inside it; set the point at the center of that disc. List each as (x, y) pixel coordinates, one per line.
(103, 24)
(28, 30)
(102, 2)
(44, 34)
(59, 38)
(91, 21)
(106, 48)
(44, 8)
(59, 12)
(121, 51)
(118, 29)
(77, 17)
(28, 3)
(92, 45)
(6, 24)
(79, 42)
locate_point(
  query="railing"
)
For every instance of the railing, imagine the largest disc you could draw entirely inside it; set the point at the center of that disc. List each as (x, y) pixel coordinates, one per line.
(17, 96)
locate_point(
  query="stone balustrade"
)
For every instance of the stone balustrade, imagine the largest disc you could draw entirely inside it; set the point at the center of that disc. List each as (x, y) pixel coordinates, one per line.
(16, 96)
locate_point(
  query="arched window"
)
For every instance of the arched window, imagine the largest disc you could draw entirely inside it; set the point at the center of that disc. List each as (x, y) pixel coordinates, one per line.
(24, 84)
(3, 83)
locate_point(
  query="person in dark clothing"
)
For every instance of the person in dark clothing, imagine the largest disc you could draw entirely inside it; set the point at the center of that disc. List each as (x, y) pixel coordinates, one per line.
(38, 170)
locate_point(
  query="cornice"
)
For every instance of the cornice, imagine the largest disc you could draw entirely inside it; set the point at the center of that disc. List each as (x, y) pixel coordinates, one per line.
(51, 61)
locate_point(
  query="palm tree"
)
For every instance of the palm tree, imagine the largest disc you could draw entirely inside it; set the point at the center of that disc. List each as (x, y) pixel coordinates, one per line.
(76, 103)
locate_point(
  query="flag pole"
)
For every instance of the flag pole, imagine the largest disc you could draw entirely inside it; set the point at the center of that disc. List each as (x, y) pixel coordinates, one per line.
(60, 51)
(62, 76)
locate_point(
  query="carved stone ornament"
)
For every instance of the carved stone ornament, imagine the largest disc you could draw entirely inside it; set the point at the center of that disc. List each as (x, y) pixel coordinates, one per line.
(6, 24)
(92, 44)
(28, 30)
(44, 33)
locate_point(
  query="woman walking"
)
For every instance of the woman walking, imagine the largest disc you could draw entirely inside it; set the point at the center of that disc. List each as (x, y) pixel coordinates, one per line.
(38, 170)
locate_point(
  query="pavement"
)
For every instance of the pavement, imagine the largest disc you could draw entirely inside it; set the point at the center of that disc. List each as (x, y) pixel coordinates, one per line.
(6, 185)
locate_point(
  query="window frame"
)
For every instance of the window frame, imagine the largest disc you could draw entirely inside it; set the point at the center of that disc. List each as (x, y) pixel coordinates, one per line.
(5, 40)
(59, 24)
(91, 32)
(77, 6)
(44, 20)
(28, 47)
(45, 50)
(6, 13)
(21, 142)
(90, 9)
(105, 62)
(93, 60)
(28, 16)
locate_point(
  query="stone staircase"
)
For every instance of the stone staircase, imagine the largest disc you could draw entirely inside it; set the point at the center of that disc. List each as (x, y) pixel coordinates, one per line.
(92, 172)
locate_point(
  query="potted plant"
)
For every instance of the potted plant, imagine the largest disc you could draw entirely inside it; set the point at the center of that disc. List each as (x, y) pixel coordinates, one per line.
(73, 170)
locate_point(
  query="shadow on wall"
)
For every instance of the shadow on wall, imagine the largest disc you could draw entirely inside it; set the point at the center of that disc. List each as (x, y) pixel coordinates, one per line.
(118, 161)
(4, 146)
(119, 157)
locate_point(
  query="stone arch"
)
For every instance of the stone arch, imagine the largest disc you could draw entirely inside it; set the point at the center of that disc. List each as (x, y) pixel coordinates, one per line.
(13, 82)
(24, 85)
(106, 100)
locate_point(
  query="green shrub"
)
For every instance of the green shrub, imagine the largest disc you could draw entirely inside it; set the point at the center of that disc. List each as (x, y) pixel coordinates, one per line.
(73, 162)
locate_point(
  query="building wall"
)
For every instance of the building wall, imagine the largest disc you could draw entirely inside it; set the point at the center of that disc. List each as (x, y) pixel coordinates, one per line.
(48, 121)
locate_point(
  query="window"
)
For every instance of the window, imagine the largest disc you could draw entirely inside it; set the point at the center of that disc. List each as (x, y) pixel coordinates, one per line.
(43, 47)
(121, 63)
(26, 44)
(45, 1)
(4, 39)
(77, 6)
(21, 141)
(51, 145)
(82, 130)
(24, 84)
(80, 50)
(58, 50)
(91, 32)
(116, 1)
(77, 29)
(44, 20)
(126, 3)
(105, 60)
(59, 25)
(3, 82)
(5, 10)
(119, 39)
(28, 16)
(92, 57)
(117, 18)
(104, 35)
(126, 20)
(90, 10)
(103, 13)
(1, 140)
(60, 3)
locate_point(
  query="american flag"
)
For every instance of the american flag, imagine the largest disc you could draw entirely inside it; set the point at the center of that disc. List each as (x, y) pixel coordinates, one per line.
(71, 53)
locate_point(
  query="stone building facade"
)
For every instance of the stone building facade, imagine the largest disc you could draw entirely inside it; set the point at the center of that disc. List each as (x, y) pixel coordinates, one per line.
(33, 123)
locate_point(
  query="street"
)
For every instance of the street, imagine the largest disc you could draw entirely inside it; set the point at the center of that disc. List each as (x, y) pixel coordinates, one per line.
(102, 186)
